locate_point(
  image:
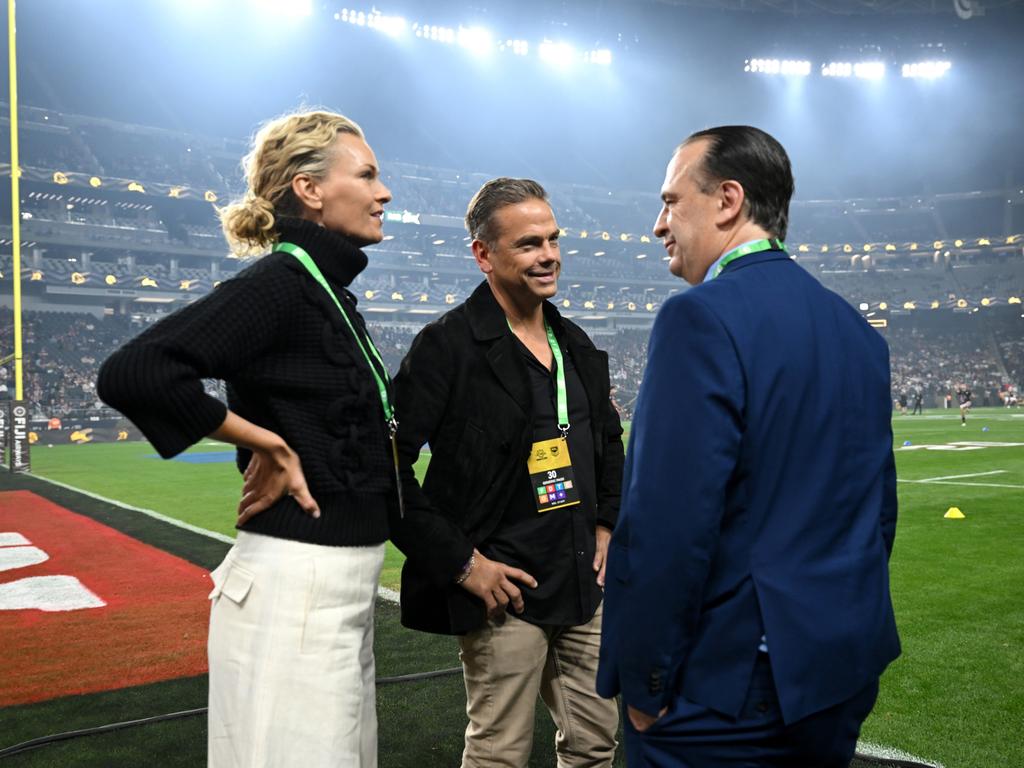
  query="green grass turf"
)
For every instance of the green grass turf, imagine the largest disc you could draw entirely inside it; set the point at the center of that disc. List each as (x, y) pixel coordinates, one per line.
(205, 495)
(955, 694)
(953, 697)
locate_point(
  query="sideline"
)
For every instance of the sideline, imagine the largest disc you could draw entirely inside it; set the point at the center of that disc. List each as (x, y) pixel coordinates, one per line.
(866, 749)
(389, 595)
(879, 752)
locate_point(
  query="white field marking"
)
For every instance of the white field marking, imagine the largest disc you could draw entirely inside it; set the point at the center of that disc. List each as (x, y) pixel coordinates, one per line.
(960, 482)
(889, 753)
(52, 594)
(959, 445)
(13, 539)
(12, 558)
(388, 594)
(958, 477)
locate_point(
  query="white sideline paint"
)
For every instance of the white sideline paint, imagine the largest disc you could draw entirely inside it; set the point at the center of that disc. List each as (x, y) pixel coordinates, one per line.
(959, 477)
(960, 445)
(21, 557)
(148, 512)
(960, 482)
(387, 594)
(889, 753)
(47, 593)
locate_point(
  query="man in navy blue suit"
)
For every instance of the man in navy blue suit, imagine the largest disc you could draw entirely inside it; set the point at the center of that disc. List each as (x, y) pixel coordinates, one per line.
(747, 608)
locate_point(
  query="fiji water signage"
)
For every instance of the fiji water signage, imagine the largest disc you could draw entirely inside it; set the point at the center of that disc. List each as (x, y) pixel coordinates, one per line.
(19, 436)
(5, 423)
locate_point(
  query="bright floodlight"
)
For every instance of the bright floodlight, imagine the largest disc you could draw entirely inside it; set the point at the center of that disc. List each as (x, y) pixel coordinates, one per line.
(389, 25)
(927, 70)
(869, 70)
(559, 54)
(298, 9)
(518, 47)
(837, 69)
(797, 68)
(763, 66)
(794, 67)
(600, 56)
(475, 39)
(437, 34)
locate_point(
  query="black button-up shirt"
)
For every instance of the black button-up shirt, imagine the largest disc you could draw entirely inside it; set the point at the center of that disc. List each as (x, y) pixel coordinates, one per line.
(555, 547)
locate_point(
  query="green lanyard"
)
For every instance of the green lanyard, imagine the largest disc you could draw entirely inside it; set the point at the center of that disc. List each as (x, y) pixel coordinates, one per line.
(563, 393)
(306, 261)
(745, 250)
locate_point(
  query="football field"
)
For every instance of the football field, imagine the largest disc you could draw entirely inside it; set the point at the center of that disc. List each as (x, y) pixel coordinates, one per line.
(953, 698)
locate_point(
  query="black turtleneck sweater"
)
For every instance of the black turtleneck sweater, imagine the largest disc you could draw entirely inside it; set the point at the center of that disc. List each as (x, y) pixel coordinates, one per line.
(291, 366)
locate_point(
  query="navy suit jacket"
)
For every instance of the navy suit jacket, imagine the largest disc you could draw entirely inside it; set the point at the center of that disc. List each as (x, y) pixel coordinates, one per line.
(759, 498)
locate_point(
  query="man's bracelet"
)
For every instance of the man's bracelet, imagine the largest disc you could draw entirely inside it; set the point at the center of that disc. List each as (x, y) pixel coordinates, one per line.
(466, 570)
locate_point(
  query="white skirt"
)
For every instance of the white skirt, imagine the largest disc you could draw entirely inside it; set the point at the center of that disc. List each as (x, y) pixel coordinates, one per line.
(291, 655)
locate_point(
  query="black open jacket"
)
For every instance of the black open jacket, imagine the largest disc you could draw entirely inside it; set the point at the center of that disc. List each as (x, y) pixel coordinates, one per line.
(464, 389)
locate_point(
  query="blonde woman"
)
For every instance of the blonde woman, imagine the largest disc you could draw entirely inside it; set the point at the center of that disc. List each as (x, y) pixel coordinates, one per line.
(310, 409)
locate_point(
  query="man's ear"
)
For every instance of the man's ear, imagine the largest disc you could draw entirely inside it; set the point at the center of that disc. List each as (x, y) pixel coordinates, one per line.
(307, 192)
(731, 202)
(482, 254)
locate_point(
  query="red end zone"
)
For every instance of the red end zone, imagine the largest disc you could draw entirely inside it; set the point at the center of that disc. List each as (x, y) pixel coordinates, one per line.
(118, 612)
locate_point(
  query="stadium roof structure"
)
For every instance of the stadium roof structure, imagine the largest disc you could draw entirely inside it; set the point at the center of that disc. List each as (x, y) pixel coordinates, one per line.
(965, 9)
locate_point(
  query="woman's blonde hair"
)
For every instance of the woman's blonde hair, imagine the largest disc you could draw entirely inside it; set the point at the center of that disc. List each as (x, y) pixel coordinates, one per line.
(284, 147)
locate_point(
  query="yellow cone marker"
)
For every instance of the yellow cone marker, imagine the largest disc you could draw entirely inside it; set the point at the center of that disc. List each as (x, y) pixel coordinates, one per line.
(954, 513)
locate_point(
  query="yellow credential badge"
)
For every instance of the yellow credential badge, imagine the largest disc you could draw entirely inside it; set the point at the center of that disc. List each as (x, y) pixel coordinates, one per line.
(554, 483)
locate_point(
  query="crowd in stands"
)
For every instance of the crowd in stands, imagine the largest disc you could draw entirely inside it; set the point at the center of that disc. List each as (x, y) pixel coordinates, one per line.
(83, 236)
(63, 352)
(937, 363)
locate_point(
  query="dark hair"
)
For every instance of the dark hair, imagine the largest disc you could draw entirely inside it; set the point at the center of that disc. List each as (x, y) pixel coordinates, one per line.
(759, 163)
(494, 195)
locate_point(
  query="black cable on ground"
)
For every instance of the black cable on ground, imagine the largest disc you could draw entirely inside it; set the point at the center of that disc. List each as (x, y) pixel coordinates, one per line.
(419, 676)
(25, 746)
(42, 741)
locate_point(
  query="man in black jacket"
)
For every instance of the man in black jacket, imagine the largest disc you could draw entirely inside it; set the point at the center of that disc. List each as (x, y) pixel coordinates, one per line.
(522, 491)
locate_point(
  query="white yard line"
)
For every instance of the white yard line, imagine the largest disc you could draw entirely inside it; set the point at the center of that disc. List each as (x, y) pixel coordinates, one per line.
(957, 482)
(958, 477)
(889, 753)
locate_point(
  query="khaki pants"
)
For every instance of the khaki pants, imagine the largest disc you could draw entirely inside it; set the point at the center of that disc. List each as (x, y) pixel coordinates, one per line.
(506, 664)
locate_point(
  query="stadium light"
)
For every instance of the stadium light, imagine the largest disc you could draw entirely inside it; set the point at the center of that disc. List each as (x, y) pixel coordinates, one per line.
(837, 69)
(434, 32)
(476, 40)
(790, 67)
(518, 47)
(869, 70)
(926, 70)
(393, 26)
(601, 56)
(557, 54)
